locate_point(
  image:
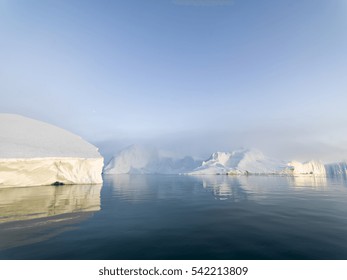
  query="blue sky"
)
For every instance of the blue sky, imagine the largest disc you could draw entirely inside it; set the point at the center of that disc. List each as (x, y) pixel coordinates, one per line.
(193, 76)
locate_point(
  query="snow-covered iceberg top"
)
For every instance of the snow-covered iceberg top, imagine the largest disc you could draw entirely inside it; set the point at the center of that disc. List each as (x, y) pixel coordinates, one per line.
(36, 153)
(22, 137)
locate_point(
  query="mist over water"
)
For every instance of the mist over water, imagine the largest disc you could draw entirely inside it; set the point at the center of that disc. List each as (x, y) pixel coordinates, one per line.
(278, 140)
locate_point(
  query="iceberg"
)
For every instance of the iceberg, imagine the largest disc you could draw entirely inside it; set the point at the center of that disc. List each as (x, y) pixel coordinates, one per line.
(34, 153)
(317, 168)
(243, 161)
(312, 167)
(139, 159)
(252, 161)
(336, 169)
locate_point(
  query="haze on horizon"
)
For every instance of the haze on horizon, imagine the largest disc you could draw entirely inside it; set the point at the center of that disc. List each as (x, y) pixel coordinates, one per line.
(190, 76)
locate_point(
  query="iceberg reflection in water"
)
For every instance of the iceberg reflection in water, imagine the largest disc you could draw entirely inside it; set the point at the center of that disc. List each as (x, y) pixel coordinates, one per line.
(311, 180)
(225, 187)
(222, 187)
(27, 212)
(238, 188)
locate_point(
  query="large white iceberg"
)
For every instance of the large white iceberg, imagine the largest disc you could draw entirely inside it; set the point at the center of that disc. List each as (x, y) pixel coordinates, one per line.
(36, 153)
(139, 159)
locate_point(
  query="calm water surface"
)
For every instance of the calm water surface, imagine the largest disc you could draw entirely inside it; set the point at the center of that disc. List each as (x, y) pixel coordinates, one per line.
(177, 217)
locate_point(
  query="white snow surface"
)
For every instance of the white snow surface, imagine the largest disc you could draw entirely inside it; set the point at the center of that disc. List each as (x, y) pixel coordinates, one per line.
(243, 161)
(140, 159)
(23, 137)
(36, 153)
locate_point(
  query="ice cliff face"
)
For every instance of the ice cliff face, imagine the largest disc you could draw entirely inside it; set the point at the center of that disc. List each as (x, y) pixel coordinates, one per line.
(138, 159)
(336, 169)
(311, 167)
(36, 153)
(317, 168)
(245, 161)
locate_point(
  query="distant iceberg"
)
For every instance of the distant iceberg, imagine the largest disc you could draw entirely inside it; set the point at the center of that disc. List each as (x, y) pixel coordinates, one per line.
(243, 161)
(336, 169)
(317, 168)
(312, 167)
(36, 153)
(251, 161)
(140, 159)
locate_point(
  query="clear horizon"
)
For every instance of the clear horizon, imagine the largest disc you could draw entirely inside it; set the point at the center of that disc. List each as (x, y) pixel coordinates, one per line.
(190, 76)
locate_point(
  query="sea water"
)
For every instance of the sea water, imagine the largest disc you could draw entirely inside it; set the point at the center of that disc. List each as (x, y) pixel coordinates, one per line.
(177, 217)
